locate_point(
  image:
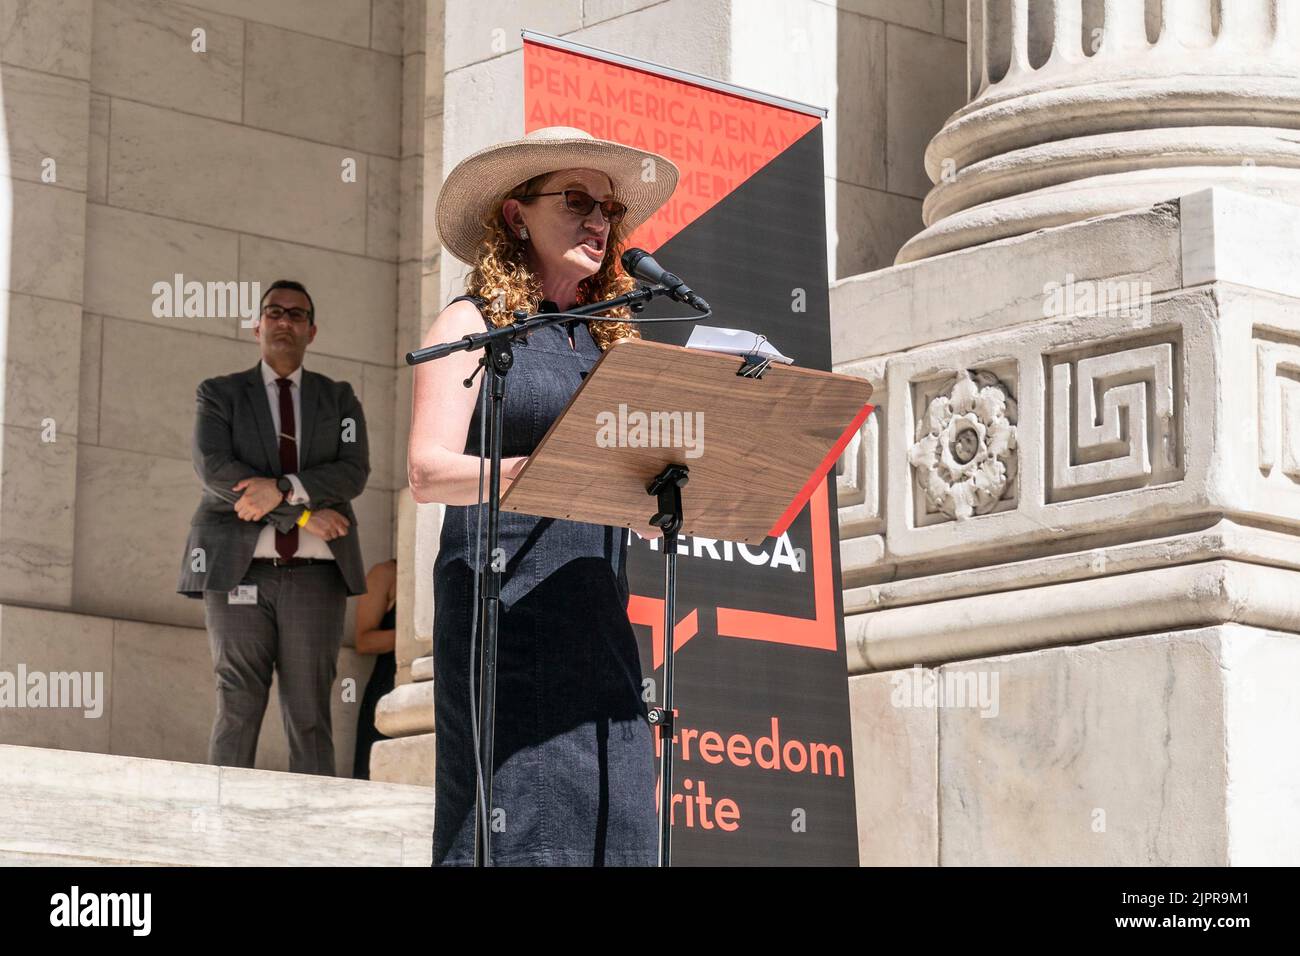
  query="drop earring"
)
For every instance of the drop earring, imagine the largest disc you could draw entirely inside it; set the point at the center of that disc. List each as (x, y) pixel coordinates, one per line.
(523, 233)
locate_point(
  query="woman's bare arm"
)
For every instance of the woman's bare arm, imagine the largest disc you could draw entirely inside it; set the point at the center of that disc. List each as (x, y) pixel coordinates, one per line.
(371, 608)
(437, 469)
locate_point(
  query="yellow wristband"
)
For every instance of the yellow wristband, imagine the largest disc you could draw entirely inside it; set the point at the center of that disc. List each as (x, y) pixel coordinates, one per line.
(303, 518)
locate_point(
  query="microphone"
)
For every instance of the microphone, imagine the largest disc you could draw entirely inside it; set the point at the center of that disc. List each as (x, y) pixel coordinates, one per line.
(639, 263)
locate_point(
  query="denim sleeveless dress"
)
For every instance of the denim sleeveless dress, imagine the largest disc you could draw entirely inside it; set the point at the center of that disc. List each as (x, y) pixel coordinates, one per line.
(573, 753)
(382, 677)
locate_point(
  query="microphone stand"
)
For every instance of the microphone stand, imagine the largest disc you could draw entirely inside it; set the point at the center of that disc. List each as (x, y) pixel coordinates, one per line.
(498, 357)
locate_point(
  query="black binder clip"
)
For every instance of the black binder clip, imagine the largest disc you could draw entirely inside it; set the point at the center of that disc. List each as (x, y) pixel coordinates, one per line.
(753, 366)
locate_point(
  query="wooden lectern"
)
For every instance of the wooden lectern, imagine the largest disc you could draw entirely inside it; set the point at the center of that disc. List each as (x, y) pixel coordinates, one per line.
(649, 418)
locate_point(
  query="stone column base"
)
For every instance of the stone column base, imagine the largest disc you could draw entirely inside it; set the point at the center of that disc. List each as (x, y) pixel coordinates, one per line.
(403, 760)
(1170, 749)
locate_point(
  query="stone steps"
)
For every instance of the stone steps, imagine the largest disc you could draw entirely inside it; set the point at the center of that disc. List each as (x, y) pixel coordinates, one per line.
(77, 808)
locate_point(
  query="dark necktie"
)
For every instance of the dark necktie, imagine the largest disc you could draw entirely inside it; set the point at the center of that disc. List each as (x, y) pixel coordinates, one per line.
(286, 542)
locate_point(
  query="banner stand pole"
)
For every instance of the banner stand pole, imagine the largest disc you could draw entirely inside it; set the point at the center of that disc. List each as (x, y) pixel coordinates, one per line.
(667, 485)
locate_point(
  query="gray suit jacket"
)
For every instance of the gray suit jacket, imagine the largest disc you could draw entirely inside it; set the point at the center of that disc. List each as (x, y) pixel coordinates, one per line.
(234, 438)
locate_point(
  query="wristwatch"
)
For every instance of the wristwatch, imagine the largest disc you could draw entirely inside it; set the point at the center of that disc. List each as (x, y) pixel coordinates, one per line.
(285, 486)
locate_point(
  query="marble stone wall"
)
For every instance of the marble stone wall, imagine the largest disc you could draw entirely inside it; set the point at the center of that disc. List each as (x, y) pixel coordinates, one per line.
(156, 698)
(142, 139)
(890, 72)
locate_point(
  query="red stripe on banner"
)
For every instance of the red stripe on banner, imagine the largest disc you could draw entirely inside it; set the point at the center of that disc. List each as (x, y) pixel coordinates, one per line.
(820, 632)
(718, 140)
(650, 612)
(814, 480)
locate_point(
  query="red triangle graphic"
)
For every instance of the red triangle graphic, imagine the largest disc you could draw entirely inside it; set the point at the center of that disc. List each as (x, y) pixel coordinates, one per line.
(717, 139)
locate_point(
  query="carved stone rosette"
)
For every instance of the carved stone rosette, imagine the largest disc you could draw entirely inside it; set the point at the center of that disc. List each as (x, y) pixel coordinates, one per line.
(964, 454)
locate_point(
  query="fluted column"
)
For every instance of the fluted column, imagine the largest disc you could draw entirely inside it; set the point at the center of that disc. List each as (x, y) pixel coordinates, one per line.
(1085, 107)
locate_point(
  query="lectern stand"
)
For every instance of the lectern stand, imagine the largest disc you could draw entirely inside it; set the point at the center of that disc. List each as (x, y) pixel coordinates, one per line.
(761, 439)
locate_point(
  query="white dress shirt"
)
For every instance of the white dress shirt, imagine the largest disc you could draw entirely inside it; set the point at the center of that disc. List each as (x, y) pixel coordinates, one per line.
(309, 545)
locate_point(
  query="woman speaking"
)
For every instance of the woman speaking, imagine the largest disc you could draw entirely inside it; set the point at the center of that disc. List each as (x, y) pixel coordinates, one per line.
(542, 221)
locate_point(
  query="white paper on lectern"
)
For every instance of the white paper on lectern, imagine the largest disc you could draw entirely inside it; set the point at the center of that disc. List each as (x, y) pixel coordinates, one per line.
(708, 338)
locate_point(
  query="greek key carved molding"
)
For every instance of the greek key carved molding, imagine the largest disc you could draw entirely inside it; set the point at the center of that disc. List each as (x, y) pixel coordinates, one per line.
(1115, 422)
(857, 480)
(1279, 407)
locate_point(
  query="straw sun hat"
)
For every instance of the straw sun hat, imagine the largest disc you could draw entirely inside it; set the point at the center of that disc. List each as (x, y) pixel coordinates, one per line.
(479, 180)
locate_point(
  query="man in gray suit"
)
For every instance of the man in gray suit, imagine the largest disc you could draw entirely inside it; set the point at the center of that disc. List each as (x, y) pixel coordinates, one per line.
(281, 452)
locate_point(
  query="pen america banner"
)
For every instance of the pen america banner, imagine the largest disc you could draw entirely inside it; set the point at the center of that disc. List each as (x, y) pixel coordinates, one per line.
(763, 770)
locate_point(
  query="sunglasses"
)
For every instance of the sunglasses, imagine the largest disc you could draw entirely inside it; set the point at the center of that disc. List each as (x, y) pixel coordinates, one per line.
(581, 204)
(278, 312)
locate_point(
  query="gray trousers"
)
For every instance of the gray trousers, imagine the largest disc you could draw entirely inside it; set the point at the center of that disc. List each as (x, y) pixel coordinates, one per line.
(295, 628)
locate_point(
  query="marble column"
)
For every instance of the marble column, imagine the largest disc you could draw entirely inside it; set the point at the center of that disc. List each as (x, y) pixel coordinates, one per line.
(406, 713)
(1081, 107)
(1071, 529)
